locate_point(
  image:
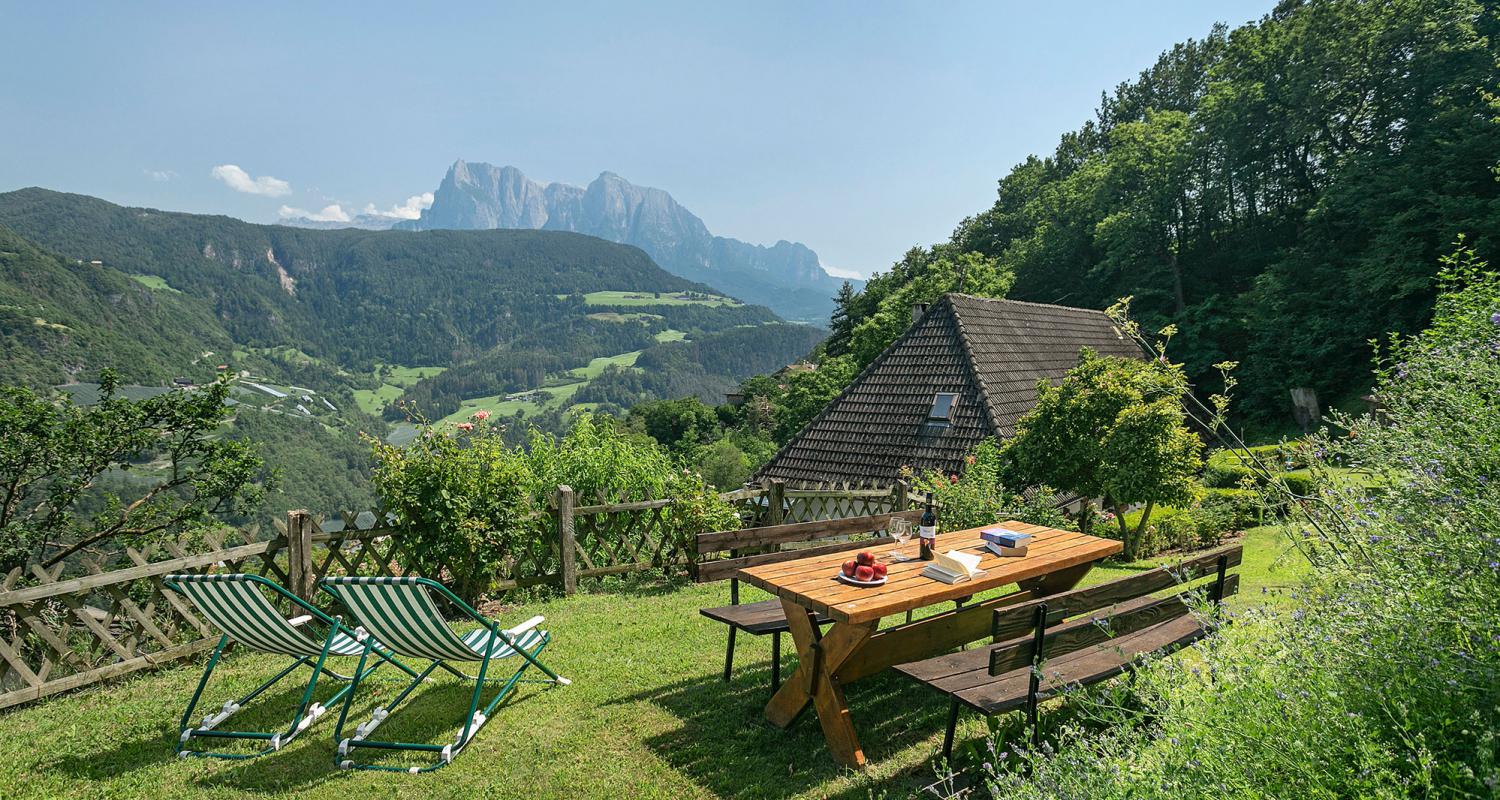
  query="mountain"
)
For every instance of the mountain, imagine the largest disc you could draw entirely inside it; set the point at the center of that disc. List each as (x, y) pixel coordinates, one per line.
(65, 318)
(334, 333)
(349, 296)
(786, 276)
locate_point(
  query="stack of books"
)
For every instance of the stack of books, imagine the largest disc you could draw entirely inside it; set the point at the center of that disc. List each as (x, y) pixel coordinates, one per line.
(1004, 542)
(954, 567)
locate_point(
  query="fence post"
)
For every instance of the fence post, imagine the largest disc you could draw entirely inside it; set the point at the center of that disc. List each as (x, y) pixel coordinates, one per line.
(567, 544)
(898, 493)
(775, 495)
(299, 530)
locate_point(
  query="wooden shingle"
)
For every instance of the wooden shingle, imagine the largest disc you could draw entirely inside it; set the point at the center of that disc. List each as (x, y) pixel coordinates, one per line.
(991, 353)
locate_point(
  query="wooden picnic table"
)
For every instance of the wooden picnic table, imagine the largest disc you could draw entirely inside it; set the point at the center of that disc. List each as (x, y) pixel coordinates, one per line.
(854, 648)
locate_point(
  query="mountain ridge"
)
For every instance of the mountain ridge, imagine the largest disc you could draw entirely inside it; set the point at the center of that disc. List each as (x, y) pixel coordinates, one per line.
(786, 276)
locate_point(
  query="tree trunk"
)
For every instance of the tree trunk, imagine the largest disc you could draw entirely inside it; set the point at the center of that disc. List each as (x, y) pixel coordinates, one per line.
(1125, 537)
(1177, 293)
(1140, 527)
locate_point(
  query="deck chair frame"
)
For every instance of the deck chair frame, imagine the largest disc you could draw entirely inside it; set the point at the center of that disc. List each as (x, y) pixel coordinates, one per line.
(430, 638)
(273, 630)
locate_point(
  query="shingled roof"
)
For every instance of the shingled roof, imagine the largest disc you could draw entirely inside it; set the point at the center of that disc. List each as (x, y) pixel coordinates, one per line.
(991, 353)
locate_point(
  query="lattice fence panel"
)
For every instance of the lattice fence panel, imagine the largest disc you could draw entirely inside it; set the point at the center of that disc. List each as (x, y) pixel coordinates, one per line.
(103, 614)
(836, 501)
(614, 540)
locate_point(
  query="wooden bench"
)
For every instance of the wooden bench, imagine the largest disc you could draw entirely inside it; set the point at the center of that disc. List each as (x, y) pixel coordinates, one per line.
(750, 547)
(1075, 638)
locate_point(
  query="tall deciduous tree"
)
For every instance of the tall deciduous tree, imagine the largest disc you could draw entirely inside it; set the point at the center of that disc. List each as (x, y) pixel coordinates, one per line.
(60, 469)
(1114, 428)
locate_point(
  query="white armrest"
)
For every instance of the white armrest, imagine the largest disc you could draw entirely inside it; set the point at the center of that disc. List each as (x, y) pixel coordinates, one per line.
(527, 625)
(302, 620)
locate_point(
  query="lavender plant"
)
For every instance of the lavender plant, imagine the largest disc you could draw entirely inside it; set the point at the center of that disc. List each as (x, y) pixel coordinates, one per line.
(1384, 679)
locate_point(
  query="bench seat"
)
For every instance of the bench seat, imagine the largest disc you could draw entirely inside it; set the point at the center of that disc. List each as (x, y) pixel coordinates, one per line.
(1078, 637)
(772, 544)
(966, 678)
(759, 619)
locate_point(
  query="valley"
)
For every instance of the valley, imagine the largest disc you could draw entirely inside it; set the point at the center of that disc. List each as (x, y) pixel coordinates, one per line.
(328, 335)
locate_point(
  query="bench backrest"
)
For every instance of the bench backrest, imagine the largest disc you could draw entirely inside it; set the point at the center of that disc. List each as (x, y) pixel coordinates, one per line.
(771, 538)
(1114, 608)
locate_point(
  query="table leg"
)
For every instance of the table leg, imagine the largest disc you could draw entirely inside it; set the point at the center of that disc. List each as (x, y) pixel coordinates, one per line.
(816, 681)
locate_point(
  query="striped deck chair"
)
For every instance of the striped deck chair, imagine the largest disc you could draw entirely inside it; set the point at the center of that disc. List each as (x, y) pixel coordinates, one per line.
(239, 607)
(401, 612)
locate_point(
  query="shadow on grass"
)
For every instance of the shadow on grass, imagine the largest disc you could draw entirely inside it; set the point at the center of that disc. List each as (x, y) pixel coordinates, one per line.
(726, 745)
(271, 712)
(433, 714)
(648, 583)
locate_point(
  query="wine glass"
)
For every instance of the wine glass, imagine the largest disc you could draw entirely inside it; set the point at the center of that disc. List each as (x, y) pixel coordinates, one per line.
(900, 530)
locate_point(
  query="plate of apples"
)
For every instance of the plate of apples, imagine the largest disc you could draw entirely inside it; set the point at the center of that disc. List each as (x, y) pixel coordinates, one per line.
(863, 570)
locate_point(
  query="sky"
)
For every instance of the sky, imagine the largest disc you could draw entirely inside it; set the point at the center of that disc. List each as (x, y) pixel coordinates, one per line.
(858, 128)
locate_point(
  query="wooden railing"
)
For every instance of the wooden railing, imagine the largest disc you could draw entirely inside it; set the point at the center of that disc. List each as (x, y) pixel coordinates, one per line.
(85, 621)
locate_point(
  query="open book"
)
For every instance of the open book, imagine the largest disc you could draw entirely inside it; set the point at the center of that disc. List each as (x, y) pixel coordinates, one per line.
(954, 567)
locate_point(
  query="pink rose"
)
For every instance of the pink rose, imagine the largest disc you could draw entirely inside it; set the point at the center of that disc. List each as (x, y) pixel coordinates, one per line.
(466, 426)
(481, 415)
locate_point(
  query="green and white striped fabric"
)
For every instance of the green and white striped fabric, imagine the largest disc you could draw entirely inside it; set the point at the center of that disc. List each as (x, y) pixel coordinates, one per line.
(401, 613)
(236, 606)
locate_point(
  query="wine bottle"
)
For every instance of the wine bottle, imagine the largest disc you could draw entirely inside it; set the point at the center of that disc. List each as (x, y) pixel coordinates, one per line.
(927, 533)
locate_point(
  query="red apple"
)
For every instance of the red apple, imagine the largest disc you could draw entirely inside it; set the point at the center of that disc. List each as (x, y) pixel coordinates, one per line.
(865, 558)
(849, 567)
(880, 570)
(864, 572)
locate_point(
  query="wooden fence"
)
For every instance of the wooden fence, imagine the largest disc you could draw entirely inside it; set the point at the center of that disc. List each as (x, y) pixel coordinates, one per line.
(85, 621)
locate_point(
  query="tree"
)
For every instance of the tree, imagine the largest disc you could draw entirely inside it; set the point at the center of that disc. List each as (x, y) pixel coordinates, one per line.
(679, 425)
(63, 470)
(808, 392)
(1115, 429)
(931, 275)
(841, 322)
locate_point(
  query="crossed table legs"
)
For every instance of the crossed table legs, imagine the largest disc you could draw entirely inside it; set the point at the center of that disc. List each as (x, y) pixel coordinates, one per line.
(853, 650)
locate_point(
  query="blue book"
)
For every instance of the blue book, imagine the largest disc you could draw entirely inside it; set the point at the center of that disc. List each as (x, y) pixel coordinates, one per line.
(1005, 537)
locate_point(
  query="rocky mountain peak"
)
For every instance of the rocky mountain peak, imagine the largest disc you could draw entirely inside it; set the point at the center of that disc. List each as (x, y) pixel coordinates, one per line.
(786, 276)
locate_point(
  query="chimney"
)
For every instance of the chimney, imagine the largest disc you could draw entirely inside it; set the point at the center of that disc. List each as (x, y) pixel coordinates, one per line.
(917, 310)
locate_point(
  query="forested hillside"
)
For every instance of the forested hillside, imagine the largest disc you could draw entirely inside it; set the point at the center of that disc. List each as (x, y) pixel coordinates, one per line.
(61, 318)
(1281, 192)
(326, 332)
(349, 296)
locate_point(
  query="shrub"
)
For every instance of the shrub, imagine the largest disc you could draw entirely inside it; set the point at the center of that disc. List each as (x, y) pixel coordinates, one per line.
(1384, 680)
(1242, 507)
(1220, 475)
(470, 507)
(980, 497)
(1298, 483)
(464, 505)
(1113, 428)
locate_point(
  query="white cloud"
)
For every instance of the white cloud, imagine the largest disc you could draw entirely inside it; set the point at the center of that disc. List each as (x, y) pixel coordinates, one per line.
(240, 181)
(330, 213)
(411, 209)
(160, 175)
(839, 272)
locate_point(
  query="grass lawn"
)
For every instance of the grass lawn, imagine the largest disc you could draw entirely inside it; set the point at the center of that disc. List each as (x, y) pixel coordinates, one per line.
(647, 716)
(555, 395)
(156, 282)
(615, 316)
(670, 335)
(612, 298)
(394, 383)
